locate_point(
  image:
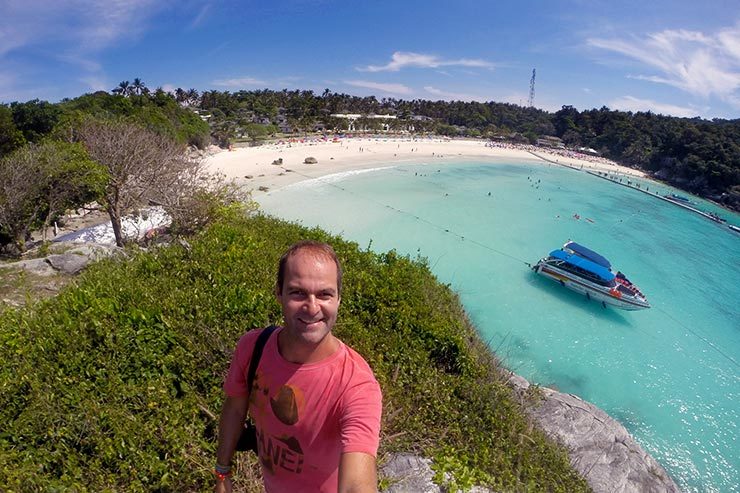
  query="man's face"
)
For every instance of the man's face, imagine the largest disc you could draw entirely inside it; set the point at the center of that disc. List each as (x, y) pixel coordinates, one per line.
(310, 298)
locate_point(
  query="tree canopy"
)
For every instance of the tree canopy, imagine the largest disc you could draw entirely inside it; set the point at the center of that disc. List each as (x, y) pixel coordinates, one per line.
(700, 156)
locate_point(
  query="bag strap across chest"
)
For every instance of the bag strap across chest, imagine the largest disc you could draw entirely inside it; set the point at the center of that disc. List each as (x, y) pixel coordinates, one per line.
(257, 354)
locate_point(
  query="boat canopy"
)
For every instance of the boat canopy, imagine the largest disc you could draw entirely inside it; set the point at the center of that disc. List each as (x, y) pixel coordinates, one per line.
(589, 254)
(583, 263)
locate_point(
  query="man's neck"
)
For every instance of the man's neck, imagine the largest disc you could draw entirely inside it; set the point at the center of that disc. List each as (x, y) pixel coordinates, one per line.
(301, 353)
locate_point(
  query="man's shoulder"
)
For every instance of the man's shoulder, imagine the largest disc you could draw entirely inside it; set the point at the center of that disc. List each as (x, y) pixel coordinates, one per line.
(357, 361)
(249, 339)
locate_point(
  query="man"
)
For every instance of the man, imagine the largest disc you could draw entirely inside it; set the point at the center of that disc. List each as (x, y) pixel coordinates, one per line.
(315, 402)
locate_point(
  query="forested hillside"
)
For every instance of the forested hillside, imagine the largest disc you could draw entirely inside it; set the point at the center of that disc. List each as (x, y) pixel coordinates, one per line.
(700, 156)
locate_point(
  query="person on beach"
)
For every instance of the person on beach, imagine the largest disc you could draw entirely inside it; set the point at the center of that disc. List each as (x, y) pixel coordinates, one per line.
(315, 402)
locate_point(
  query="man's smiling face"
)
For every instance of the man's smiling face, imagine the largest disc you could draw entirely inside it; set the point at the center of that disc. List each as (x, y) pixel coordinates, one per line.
(309, 298)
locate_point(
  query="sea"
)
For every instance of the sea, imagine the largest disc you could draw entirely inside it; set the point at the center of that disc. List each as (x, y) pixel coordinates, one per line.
(670, 374)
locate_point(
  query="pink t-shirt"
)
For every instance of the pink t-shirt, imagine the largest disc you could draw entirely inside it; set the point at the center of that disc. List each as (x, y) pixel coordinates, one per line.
(307, 415)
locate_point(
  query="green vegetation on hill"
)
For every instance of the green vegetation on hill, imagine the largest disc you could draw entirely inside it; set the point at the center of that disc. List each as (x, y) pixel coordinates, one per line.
(700, 156)
(111, 386)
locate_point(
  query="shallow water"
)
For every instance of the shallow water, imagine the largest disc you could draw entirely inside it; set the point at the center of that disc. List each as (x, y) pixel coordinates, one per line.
(670, 374)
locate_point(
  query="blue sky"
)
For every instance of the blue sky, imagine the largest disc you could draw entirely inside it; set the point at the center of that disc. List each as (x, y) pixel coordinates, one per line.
(679, 58)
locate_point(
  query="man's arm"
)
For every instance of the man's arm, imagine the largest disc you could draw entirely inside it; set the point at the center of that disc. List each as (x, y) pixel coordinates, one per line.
(230, 427)
(357, 473)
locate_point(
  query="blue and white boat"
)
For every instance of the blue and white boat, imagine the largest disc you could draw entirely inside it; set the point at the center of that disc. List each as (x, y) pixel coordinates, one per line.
(585, 271)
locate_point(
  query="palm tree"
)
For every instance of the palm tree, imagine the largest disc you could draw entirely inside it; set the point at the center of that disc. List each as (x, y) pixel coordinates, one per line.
(180, 95)
(193, 97)
(139, 87)
(124, 88)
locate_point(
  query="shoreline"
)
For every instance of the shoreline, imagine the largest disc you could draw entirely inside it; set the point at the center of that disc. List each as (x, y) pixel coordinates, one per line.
(567, 418)
(259, 168)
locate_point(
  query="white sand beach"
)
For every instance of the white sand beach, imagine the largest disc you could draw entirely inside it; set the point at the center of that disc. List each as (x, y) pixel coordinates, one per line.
(254, 168)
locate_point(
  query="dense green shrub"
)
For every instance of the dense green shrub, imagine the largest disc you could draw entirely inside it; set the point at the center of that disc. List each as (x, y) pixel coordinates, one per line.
(111, 385)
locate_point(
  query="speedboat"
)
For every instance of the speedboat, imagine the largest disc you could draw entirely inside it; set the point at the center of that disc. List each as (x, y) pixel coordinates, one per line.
(585, 271)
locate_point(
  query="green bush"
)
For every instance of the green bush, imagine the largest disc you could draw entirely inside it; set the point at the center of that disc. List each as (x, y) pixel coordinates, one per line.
(112, 385)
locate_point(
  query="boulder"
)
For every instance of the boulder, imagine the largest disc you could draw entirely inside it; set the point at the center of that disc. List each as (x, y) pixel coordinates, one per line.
(278, 161)
(37, 266)
(69, 263)
(310, 160)
(410, 473)
(600, 448)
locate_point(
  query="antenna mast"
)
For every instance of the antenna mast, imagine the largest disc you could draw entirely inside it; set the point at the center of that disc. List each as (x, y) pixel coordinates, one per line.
(530, 103)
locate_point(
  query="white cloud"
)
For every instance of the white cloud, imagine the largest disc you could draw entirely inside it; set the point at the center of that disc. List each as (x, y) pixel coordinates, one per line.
(630, 103)
(76, 30)
(239, 82)
(403, 59)
(378, 86)
(171, 88)
(451, 96)
(700, 64)
(78, 25)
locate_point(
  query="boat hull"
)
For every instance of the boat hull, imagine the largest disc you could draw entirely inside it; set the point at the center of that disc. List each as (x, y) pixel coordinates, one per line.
(591, 290)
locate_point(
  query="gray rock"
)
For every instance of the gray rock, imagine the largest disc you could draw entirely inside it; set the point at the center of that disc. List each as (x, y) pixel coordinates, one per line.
(79, 256)
(69, 263)
(95, 251)
(37, 266)
(310, 160)
(410, 473)
(600, 448)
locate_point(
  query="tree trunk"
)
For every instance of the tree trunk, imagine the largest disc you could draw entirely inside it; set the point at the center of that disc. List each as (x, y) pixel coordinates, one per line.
(115, 221)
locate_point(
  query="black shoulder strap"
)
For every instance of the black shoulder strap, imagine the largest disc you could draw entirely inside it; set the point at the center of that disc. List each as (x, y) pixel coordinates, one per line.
(257, 354)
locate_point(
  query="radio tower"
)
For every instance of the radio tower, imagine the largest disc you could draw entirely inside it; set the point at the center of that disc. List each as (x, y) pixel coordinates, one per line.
(531, 90)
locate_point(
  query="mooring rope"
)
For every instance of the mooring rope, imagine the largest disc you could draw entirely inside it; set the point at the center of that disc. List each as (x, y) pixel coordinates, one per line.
(699, 336)
(430, 223)
(494, 250)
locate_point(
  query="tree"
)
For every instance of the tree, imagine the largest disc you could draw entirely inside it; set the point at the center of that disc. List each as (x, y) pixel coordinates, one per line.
(180, 95)
(72, 179)
(123, 88)
(10, 137)
(138, 87)
(193, 97)
(143, 167)
(35, 118)
(39, 182)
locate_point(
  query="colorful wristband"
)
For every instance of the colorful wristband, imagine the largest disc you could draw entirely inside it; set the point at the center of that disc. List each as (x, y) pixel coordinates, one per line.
(220, 476)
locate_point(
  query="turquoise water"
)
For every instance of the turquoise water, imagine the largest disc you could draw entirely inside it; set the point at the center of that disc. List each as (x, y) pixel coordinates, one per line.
(670, 374)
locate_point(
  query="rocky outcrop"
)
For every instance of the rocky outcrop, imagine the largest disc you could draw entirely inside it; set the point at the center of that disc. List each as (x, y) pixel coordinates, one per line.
(36, 266)
(409, 473)
(71, 262)
(600, 448)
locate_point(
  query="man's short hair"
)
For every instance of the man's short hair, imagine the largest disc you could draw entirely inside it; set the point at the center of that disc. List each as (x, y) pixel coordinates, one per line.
(316, 248)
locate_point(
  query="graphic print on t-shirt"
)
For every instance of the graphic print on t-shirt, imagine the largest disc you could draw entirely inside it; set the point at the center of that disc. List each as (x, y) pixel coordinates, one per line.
(286, 405)
(278, 452)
